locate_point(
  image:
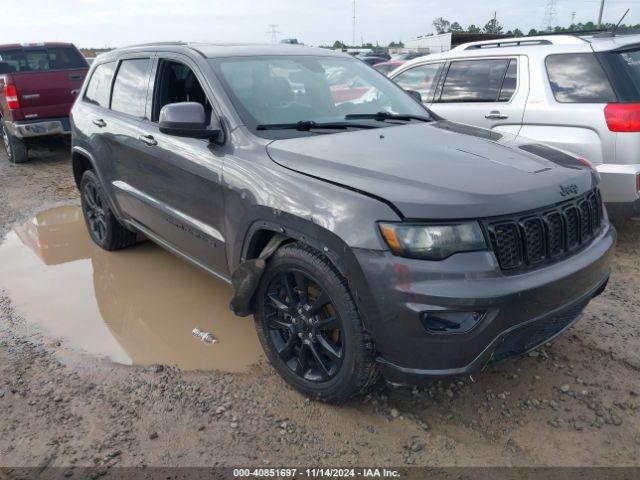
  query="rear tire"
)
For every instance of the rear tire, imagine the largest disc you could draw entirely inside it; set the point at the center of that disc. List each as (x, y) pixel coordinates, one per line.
(103, 227)
(338, 357)
(16, 148)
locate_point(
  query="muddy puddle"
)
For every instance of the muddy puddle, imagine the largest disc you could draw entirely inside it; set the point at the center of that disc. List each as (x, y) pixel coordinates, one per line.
(136, 306)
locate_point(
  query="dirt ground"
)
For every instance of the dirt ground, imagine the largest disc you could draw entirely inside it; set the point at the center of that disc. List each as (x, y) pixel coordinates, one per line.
(572, 403)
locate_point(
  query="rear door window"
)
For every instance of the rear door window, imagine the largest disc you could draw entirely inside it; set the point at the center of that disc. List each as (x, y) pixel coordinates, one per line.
(130, 87)
(65, 58)
(43, 59)
(421, 79)
(99, 88)
(510, 81)
(578, 78)
(475, 80)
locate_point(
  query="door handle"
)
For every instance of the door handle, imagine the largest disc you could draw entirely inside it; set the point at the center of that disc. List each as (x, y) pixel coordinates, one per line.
(98, 122)
(496, 115)
(148, 140)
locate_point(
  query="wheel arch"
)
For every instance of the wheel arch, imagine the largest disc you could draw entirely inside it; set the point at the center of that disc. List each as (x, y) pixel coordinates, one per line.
(297, 230)
(327, 243)
(80, 163)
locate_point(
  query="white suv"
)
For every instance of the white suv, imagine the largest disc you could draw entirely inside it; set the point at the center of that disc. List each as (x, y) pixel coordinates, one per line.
(577, 93)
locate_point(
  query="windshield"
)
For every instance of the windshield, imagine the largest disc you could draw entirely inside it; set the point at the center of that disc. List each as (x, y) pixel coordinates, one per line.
(280, 90)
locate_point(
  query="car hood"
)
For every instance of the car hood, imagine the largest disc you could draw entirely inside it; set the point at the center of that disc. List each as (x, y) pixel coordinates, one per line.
(440, 170)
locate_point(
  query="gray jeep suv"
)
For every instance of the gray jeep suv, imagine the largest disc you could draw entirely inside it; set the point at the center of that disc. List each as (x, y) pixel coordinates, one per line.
(364, 233)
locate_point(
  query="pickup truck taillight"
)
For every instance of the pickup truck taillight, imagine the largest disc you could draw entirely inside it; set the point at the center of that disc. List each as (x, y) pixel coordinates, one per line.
(11, 94)
(623, 117)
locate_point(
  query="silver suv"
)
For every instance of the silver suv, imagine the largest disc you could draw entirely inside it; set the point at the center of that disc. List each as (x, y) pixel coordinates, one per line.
(576, 93)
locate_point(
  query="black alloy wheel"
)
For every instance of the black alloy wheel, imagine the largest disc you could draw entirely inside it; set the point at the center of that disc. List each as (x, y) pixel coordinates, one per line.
(304, 326)
(103, 226)
(94, 213)
(310, 328)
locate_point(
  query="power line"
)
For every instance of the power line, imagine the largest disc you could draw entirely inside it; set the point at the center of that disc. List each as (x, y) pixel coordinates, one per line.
(354, 24)
(550, 16)
(273, 30)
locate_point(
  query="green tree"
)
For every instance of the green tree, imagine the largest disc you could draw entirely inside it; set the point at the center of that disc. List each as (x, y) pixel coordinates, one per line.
(396, 45)
(493, 26)
(473, 29)
(456, 27)
(518, 33)
(532, 32)
(338, 45)
(441, 25)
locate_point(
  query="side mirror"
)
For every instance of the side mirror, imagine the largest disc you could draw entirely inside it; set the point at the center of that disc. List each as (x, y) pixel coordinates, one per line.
(188, 119)
(415, 95)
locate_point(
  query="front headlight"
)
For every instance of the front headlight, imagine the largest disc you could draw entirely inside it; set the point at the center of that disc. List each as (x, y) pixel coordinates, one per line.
(433, 242)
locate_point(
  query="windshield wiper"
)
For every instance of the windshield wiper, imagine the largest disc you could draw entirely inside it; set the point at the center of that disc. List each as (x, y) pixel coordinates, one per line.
(382, 116)
(306, 125)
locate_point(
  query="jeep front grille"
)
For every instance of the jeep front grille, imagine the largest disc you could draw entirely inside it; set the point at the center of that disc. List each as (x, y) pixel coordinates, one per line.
(547, 235)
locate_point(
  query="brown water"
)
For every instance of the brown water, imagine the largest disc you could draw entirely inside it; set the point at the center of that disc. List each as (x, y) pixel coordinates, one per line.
(135, 306)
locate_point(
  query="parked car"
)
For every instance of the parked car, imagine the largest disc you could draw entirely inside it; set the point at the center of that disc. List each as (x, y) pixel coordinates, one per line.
(38, 84)
(364, 236)
(579, 94)
(371, 59)
(388, 67)
(406, 56)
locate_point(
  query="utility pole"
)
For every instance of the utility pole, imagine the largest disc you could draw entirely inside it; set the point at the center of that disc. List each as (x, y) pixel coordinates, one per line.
(573, 18)
(550, 16)
(600, 14)
(273, 30)
(353, 42)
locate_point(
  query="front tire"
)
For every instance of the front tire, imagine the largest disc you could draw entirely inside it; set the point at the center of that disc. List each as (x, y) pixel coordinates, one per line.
(104, 228)
(16, 148)
(310, 328)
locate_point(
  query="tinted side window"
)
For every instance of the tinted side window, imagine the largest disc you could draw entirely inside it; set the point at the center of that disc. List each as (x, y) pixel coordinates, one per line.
(510, 82)
(130, 87)
(578, 78)
(99, 88)
(421, 79)
(474, 81)
(65, 58)
(176, 82)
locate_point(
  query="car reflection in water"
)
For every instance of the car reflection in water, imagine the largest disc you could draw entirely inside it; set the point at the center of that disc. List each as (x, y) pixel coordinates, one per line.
(137, 306)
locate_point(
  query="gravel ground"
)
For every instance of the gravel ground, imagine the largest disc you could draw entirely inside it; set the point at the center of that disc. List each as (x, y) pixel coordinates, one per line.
(572, 403)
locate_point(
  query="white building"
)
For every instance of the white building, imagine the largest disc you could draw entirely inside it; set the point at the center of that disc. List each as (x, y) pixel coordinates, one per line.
(446, 41)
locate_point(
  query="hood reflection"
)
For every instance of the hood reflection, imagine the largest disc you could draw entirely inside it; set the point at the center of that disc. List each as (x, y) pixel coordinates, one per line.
(136, 306)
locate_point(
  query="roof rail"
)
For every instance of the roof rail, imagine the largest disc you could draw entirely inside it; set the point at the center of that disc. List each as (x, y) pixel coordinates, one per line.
(509, 43)
(153, 44)
(523, 42)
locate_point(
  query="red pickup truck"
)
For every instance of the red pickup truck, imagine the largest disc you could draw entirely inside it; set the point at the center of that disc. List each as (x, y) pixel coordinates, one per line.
(38, 85)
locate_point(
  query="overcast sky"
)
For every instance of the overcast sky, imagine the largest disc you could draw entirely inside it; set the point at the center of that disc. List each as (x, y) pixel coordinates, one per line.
(99, 23)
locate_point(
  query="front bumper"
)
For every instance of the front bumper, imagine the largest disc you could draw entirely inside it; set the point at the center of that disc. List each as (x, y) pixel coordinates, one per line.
(619, 183)
(39, 128)
(522, 311)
